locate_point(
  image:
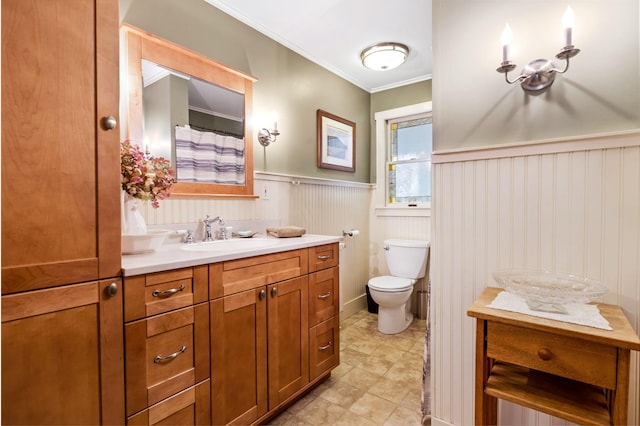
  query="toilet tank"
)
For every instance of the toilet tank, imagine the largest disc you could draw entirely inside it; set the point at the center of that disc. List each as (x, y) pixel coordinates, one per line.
(406, 258)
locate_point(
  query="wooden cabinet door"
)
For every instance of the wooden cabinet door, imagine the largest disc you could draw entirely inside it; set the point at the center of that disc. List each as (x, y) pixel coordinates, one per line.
(60, 176)
(288, 338)
(62, 356)
(239, 357)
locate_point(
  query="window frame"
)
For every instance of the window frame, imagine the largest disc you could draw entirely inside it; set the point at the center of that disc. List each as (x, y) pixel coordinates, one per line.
(382, 206)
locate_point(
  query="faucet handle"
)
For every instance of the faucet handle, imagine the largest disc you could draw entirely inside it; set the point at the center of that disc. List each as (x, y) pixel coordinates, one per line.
(189, 239)
(224, 231)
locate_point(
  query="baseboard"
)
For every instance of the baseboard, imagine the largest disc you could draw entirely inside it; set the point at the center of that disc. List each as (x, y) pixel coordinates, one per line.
(353, 306)
(438, 422)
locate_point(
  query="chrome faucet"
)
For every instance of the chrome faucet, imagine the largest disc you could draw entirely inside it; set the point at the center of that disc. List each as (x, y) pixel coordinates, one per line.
(208, 235)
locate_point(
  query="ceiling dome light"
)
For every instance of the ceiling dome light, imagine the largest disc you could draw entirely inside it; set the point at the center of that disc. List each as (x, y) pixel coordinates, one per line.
(384, 56)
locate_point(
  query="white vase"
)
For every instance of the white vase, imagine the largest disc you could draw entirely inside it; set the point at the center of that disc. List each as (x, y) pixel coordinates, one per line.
(132, 220)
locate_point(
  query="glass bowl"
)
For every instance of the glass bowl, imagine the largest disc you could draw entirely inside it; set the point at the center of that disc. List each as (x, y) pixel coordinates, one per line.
(548, 291)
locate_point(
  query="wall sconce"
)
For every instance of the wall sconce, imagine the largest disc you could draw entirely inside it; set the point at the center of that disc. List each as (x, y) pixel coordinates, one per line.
(539, 74)
(265, 137)
(384, 56)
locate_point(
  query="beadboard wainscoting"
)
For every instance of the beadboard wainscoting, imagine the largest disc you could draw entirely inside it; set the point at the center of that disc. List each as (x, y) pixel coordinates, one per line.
(404, 227)
(320, 206)
(570, 205)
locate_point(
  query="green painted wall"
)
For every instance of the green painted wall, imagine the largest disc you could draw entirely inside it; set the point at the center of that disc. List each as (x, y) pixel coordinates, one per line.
(288, 83)
(395, 98)
(474, 106)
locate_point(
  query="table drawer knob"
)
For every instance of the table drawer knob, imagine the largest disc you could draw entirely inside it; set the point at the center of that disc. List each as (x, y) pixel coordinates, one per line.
(545, 354)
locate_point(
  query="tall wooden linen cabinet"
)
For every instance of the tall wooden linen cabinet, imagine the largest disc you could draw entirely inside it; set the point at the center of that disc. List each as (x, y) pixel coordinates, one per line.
(62, 350)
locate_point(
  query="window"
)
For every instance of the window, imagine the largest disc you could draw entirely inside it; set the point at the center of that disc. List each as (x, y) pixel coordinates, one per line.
(409, 160)
(403, 161)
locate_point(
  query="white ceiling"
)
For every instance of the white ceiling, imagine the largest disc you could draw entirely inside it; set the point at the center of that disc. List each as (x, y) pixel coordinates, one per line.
(332, 33)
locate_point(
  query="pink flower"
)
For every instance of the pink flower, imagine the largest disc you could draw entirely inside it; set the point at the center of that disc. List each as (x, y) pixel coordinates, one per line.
(144, 179)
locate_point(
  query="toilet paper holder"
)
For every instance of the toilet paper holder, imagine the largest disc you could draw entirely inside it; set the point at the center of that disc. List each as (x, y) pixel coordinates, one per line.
(351, 234)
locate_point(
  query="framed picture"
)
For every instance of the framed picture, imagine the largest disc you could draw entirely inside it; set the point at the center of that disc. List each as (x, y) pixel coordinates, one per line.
(336, 142)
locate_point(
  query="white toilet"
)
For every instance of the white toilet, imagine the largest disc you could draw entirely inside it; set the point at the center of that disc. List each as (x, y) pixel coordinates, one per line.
(407, 261)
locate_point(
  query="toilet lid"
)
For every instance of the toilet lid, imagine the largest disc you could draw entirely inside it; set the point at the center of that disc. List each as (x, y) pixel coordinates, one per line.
(391, 284)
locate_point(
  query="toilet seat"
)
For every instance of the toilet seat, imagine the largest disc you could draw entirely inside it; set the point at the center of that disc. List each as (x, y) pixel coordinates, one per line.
(391, 284)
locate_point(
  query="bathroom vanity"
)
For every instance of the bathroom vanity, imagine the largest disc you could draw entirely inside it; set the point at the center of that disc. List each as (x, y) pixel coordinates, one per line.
(229, 336)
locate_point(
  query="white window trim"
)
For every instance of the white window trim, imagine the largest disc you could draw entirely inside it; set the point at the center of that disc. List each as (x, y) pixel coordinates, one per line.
(380, 194)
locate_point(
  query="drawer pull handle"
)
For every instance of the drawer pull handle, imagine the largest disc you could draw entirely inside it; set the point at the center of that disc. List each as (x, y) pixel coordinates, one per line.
(326, 256)
(159, 358)
(324, 296)
(325, 347)
(545, 354)
(162, 293)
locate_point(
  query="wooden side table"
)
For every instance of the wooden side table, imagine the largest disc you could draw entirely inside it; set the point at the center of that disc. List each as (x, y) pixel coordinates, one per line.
(577, 373)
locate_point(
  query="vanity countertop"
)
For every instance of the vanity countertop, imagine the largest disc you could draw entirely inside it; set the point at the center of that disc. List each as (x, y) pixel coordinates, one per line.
(174, 256)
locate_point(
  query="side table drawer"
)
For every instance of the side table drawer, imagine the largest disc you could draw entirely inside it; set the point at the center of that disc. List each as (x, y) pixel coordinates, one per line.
(569, 357)
(165, 354)
(324, 347)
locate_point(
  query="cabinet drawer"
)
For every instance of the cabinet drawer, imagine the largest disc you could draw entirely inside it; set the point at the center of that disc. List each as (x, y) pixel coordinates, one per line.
(323, 257)
(234, 276)
(165, 354)
(189, 407)
(570, 357)
(324, 347)
(152, 294)
(324, 300)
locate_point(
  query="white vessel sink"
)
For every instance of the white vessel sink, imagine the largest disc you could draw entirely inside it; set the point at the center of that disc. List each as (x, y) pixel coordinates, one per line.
(234, 244)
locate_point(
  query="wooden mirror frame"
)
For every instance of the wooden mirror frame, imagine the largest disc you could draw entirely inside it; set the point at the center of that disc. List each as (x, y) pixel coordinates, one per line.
(139, 45)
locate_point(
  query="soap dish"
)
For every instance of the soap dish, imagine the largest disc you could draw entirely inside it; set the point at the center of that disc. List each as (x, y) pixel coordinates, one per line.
(243, 234)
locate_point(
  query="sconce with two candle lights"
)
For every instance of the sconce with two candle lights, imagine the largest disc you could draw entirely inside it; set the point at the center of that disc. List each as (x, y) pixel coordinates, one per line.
(539, 74)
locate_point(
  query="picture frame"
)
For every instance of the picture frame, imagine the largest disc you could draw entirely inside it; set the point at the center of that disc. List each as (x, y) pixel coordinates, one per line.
(336, 142)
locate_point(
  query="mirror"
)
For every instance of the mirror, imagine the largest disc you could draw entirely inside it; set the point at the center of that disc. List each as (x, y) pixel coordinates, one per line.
(188, 108)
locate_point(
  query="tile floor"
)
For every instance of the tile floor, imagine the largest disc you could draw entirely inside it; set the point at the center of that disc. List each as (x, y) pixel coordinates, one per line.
(378, 382)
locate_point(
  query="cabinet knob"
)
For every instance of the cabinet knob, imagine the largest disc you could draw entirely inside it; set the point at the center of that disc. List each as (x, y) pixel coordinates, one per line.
(112, 289)
(274, 292)
(109, 122)
(545, 354)
(262, 294)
